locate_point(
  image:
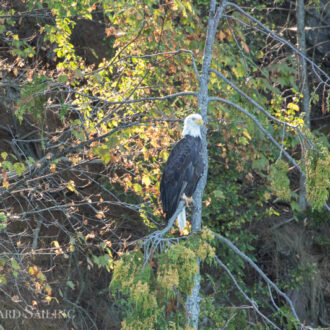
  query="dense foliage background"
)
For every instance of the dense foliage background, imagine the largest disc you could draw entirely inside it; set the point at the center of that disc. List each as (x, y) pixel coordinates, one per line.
(86, 126)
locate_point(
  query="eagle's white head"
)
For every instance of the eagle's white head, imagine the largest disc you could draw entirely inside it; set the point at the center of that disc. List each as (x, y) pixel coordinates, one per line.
(192, 125)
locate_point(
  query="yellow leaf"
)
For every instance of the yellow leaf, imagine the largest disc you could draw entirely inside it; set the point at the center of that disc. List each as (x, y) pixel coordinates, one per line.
(31, 270)
(71, 185)
(56, 244)
(293, 106)
(247, 135)
(154, 143)
(146, 180)
(164, 155)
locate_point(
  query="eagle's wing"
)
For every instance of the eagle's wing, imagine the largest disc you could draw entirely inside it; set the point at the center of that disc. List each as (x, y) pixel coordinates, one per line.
(198, 168)
(178, 172)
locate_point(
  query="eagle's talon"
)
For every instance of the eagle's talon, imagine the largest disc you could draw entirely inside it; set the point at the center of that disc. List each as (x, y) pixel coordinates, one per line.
(188, 200)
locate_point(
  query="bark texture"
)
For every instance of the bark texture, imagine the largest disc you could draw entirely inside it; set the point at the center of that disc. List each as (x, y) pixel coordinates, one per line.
(303, 79)
(192, 303)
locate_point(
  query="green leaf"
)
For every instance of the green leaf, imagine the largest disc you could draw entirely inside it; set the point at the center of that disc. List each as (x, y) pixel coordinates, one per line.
(78, 73)
(218, 194)
(63, 78)
(19, 168)
(14, 264)
(280, 182)
(137, 188)
(3, 221)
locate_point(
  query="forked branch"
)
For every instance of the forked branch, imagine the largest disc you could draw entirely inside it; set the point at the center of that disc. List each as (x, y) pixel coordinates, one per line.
(258, 270)
(156, 239)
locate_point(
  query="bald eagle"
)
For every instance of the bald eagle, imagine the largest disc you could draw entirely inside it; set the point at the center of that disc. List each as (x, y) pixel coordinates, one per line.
(183, 169)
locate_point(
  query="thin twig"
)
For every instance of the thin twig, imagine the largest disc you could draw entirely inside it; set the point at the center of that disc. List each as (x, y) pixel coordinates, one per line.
(258, 270)
(252, 302)
(175, 52)
(268, 135)
(276, 37)
(258, 106)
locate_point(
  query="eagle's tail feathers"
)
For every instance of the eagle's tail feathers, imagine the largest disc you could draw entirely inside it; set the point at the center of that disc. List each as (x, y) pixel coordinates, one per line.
(182, 221)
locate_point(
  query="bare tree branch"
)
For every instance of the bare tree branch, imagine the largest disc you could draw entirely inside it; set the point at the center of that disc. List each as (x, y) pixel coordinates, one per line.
(258, 270)
(258, 106)
(155, 98)
(45, 162)
(276, 37)
(257, 122)
(175, 52)
(252, 302)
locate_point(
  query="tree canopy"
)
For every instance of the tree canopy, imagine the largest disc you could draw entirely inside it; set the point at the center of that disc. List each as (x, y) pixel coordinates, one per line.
(93, 98)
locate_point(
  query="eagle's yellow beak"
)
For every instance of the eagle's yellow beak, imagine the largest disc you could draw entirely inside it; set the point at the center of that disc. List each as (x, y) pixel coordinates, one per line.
(200, 122)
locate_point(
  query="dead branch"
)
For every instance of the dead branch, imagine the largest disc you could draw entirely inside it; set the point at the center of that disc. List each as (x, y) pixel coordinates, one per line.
(258, 270)
(252, 302)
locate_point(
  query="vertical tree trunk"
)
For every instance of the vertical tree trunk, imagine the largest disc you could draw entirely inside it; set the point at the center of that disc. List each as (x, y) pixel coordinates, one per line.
(192, 303)
(301, 39)
(303, 77)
